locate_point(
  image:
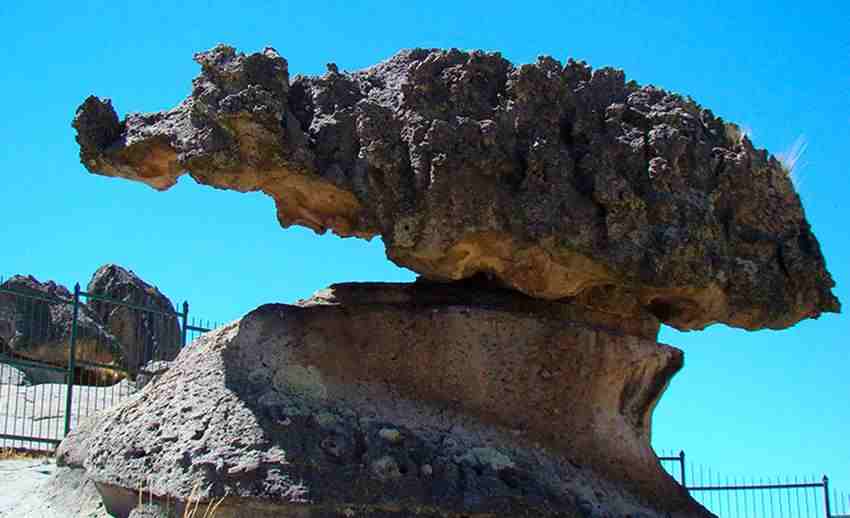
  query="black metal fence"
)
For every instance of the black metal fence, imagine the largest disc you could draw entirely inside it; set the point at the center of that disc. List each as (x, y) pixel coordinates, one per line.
(735, 497)
(65, 356)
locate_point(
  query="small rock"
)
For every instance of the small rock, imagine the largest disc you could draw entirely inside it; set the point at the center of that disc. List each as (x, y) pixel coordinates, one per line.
(390, 435)
(151, 510)
(386, 468)
(326, 419)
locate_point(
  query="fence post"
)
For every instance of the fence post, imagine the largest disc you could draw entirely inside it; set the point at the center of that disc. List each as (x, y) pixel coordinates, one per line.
(682, 468)
(72, 354)
(826, 497)
(185, 317)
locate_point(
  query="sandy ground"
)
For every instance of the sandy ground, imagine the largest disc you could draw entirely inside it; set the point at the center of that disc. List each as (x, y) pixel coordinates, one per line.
(39, 410)
(37, 488)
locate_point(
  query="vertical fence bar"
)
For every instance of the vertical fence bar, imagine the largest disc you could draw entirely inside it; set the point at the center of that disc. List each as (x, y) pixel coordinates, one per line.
(826, 507)
(682, 468)
(72, 352)
(185, 317)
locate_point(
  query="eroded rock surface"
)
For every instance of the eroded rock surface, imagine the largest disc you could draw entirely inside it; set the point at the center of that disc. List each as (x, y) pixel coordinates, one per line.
(390, 401)
(558, 180)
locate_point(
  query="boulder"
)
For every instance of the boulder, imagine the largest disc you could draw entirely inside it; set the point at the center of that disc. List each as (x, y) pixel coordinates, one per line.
(36, 319)
(557, 180)
(380, 400)
(143, 336)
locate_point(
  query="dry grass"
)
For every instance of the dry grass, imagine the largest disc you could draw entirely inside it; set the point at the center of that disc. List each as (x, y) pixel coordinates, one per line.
(209, 510)
(193, 503)
(790, 158)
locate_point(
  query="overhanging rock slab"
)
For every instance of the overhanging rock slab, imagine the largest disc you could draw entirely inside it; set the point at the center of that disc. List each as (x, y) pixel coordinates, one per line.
(556, 179)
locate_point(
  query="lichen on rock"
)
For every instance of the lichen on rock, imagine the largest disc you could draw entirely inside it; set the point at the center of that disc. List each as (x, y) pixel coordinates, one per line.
(556, 179)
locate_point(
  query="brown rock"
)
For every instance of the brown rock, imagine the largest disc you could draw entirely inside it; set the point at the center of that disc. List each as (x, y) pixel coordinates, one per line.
(143, 336)
(36, 319)
(37, 325)
(369, 399)
(557, 180)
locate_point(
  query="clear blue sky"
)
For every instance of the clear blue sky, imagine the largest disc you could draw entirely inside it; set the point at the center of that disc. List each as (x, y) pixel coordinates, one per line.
(759, 404)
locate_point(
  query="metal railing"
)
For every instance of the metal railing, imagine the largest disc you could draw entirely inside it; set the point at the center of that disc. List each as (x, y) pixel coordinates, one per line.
(762, 498)
(83, 351)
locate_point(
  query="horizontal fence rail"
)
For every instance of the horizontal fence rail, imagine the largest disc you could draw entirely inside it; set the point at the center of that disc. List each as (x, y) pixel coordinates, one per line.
(65, 357)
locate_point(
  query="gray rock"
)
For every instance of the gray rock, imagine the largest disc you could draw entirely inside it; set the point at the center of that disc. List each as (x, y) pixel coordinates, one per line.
(379, 408)
(36, 325)
(555, 179)
(150, 372)
(143, 336)
(151, 510)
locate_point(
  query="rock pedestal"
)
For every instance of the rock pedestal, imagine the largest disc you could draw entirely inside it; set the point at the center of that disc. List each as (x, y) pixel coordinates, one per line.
(599, 208)
(396, 400)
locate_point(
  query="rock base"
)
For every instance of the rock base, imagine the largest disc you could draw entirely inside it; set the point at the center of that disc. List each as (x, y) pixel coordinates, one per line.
(354, 405)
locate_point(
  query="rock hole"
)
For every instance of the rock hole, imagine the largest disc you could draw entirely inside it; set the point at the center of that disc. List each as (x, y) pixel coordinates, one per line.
(509, 477)
(662, 309)
(567, 131)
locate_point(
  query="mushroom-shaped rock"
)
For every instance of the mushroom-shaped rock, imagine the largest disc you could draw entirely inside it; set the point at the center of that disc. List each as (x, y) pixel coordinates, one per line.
(556, 180)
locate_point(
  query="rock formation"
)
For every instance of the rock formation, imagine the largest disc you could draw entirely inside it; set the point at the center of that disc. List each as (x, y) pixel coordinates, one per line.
(557, 216)
(143, 335)
(557, 180)
(396, 397)
(37, 326)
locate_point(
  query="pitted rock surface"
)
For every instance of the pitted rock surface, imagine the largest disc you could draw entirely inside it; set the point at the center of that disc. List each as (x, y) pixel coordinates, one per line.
(557, 180)
(359, 403)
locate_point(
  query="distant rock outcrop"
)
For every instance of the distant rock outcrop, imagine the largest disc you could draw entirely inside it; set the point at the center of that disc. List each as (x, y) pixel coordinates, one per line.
(143, 336)
(36, 324)
(557, 180)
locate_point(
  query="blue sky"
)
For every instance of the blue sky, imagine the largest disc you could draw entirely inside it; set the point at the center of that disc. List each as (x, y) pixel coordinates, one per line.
(759, 404)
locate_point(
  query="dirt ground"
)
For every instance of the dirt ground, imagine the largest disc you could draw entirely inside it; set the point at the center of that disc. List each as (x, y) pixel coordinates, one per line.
(37, 488)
